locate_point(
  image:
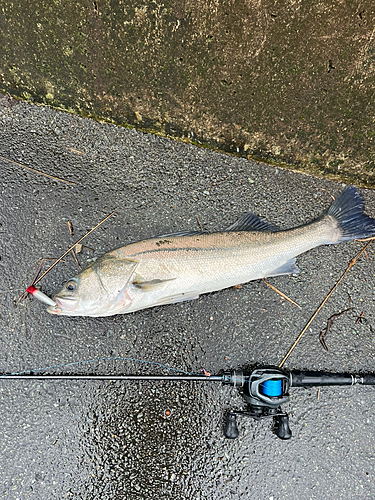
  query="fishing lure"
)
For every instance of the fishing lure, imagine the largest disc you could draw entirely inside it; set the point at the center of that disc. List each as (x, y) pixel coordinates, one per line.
(40, 296)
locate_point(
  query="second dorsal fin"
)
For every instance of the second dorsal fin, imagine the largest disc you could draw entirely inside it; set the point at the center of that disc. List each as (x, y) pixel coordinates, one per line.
(251, 222)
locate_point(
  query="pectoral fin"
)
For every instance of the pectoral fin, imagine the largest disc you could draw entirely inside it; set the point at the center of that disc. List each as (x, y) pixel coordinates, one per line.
(121, 303)
(148, 286)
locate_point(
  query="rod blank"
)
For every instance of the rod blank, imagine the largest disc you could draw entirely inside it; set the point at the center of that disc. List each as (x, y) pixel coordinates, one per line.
(175, 378)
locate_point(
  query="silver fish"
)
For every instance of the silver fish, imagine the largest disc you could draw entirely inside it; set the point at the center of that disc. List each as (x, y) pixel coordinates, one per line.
(181, 266)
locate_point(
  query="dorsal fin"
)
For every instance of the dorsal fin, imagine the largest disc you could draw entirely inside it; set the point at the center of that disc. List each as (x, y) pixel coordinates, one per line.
(251, 222)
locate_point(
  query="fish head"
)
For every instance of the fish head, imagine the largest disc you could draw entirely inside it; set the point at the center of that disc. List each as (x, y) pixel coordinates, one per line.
(99, 290)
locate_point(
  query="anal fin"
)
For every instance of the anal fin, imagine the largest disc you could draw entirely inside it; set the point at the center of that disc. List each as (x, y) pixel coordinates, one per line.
(178, 297)
(289, 267)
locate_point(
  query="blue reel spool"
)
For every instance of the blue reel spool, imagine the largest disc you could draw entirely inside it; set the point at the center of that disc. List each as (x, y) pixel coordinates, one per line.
(272, 388)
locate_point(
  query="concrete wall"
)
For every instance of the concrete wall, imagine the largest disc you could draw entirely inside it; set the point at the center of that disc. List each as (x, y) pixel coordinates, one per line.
(290, 81)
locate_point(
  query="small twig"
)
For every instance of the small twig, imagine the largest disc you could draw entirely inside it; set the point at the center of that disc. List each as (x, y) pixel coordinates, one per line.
(322, 189)
(75, 150)
(72, 247)
(38, 270)
(350, 265)
(325, 330)
(281, 293)
(25, 294)
(88, 248)
(370, 238)
(70, 227)
(360, 317)
(38, 171)
(21, 297)
(72, 252)
(24, 319)
(199, 222)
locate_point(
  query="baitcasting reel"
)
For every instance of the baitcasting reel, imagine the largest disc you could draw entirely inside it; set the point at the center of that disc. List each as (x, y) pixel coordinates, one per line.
(266, 388)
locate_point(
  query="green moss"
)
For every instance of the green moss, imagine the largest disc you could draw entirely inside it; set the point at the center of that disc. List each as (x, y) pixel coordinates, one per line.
(229, 72)
(335, 163)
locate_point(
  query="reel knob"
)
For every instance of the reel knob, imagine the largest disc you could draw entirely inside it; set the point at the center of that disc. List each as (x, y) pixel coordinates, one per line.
(231, 429)
(283, 430)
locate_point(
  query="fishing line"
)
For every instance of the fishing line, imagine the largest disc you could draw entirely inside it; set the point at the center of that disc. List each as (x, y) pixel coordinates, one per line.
(111, 358)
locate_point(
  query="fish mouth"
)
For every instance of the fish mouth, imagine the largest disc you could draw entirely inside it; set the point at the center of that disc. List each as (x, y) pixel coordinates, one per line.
(56, 309)
(63, 305)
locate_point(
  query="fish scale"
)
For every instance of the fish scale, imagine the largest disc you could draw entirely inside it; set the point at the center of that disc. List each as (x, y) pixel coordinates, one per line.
(197, 263)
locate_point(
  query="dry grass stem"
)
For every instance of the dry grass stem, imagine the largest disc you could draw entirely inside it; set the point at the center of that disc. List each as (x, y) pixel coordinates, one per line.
(360, 317)
(350, 265)
(72, 247)
(73, 253)
(75, 150)
(25, 294)
(281, 293)
(38, 171)
(199, 222)
(366, 239)
(322, 189)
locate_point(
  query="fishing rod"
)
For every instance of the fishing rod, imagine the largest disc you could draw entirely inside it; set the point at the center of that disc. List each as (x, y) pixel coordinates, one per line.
(264, 389)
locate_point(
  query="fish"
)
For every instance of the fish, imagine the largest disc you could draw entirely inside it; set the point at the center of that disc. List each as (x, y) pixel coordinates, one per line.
(177, 267)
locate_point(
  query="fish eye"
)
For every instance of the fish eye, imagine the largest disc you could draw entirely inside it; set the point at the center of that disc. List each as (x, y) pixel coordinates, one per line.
(71, 285)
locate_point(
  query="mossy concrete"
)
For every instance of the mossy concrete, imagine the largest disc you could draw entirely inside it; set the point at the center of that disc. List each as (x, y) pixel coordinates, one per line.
(291, 82)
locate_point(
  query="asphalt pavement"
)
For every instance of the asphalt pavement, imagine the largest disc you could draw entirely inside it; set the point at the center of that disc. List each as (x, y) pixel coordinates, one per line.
(164, 440)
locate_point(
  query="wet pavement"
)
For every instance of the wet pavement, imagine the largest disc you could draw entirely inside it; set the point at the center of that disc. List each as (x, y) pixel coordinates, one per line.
(112, 440)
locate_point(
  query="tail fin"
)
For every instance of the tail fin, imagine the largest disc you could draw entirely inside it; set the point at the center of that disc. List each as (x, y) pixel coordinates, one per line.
(348, 211)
